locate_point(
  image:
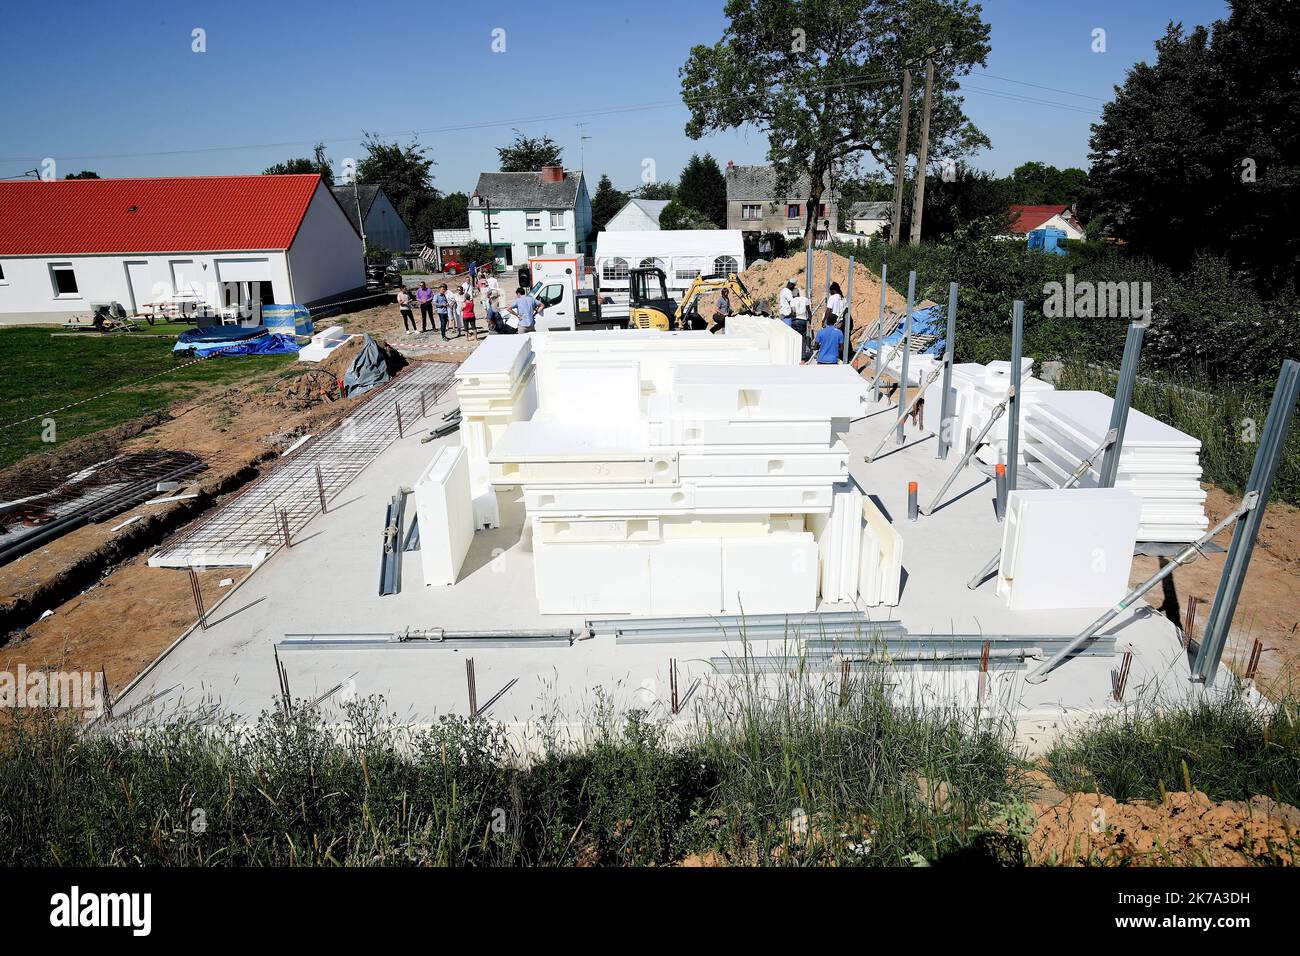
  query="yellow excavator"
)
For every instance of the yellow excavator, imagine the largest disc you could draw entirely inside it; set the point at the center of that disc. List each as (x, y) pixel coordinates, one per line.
(651, 307)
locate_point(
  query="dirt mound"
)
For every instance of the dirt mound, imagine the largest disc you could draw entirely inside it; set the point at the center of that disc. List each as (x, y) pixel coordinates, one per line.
(766, 280)
(313, 384)
(1186, 829)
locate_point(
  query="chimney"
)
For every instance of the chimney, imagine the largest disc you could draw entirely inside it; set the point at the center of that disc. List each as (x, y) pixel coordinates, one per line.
(552, 174)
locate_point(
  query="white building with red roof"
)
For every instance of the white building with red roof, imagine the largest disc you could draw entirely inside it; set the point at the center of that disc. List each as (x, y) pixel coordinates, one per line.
(1025, 219)
(221, 241)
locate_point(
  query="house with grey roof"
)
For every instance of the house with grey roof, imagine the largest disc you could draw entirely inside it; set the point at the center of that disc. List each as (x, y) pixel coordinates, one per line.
(869, 218)
(542, 213)
(374, 216)
(753, 205)
(639, 215)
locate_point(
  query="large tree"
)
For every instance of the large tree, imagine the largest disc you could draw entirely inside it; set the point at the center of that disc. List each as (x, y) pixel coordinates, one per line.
(301, 164)
(822, 78)
(605, 204)
(405, 174)
(529, 153)
(703, 188)
(1200, 150)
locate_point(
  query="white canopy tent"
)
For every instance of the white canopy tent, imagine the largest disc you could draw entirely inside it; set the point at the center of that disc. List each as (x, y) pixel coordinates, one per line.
(683, 254)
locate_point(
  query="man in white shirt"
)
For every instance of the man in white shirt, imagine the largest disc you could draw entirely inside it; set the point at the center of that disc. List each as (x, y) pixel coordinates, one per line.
(785, 306)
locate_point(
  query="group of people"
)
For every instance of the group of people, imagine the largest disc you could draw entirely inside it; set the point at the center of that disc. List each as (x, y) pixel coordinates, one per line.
(460, 306)
(795, 310)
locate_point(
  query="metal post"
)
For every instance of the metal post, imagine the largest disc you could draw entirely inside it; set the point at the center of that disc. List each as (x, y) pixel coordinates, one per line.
(1123, 401)
(880, 331)
(907, 351)
(473, 686)
(808, 272)
(398, 409)
(284, 528)
(1185, 556)
(1267, 459)
(826, 287)
(1000, 486)
(197, 593)
(848, 309)
(916, 399)
(911, 500)
(946, 420)
(1013, 423)
(423, 409)
(320, 490)
(672, 679)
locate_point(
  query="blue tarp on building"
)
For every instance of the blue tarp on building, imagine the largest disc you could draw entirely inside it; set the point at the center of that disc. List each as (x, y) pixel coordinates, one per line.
(234, 340)
(932, 320)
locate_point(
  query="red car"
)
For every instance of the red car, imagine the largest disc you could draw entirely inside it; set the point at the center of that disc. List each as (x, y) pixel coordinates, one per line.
(454, 266)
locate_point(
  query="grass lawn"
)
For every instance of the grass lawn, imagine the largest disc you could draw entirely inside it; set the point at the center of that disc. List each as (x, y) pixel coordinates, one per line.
(45, 372)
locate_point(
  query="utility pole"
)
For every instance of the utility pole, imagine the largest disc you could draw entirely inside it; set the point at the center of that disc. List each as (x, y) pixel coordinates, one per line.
(901, 166)
(918, 191)
(361, 223)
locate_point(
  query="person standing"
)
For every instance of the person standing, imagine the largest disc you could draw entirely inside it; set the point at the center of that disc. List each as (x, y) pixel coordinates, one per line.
(404, 307)
(424, 296)
(525, 306)
(442, 303)
(834, 303)
(469, 318)
(473, 272)
(721, 311)
(830, 341)
(785, 306)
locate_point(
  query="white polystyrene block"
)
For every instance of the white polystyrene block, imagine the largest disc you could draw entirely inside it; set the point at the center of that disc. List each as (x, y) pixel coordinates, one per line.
(880, 577)
(600, 392)
(591, 578)
(446, 515)
(773, 575)
(618, 530)
(598, 500)
(686, 577)
(839, 546)
(774, 461)
(497, 355)
(783, 342)
(1067, 548)
(740, 431)
(829, 391)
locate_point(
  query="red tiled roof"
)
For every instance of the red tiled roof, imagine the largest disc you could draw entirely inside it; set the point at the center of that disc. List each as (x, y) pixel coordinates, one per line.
(191, 214)
(1029, 218)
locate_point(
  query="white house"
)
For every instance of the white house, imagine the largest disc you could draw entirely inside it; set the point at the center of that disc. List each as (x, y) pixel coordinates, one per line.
(374, 216)
(869, 218)
(1025, 219)
(638, 214)
(225, 241)
(543, 213)
(683, 254)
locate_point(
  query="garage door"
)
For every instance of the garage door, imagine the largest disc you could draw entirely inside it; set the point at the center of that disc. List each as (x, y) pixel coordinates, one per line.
(244, 270)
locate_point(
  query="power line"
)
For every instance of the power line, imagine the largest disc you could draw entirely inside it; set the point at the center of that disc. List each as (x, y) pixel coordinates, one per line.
(1053, 89)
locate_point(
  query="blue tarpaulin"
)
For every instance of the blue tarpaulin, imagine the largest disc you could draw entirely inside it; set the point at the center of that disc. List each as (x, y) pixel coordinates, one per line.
(932, 320)
(287, 319)
(235, 340)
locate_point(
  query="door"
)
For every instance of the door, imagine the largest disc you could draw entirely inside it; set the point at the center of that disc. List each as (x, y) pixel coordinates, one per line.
(557, 297)
(138, 286)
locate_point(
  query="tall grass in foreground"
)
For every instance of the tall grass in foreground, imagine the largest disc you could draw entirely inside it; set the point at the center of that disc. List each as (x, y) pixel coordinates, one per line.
(1226, 746)
(789, 779)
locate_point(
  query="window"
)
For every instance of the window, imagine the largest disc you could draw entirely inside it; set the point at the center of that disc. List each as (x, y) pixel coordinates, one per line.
(614, 270)
(557, 220)
(793, 231)
(3, 281)
(551, 294)
(64, 279)
(533, 220)
(560, 247)
(752, 211)
(792, 210)
(536, 249)
(654, 264)
(821, 209)
(725, 266)
(685, 275)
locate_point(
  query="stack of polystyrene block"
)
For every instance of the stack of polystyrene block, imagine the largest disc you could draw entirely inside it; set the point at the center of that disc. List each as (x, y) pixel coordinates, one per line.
(977, 390)
(445, 512)
(880, 577)
(659, 481)
(1067, 548)
(1158, 463)
(496, 385)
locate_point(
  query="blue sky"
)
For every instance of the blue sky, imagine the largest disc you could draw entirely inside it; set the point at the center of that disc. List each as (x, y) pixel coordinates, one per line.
(116, 88)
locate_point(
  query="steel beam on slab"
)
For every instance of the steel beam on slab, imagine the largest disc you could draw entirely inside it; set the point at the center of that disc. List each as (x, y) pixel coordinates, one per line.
(1267, 459)
(1123, 401)
(946, 419)
(848, 308)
